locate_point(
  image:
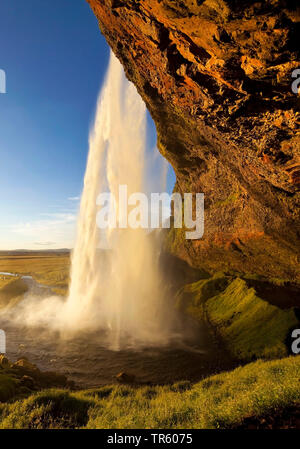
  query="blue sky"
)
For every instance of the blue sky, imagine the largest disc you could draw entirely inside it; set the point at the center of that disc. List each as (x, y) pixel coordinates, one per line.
(55, 59)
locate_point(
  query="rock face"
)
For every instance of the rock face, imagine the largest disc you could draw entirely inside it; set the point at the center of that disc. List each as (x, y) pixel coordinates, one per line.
(22, 378)
(216, 77)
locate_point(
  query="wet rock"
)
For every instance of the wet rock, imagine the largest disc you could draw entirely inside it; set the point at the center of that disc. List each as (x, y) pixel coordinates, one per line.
(25, 365)
(125, 378)
(23, 377)
(4, 362)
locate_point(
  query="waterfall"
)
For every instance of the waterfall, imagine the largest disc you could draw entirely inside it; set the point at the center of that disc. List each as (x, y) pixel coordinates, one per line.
(115, 282)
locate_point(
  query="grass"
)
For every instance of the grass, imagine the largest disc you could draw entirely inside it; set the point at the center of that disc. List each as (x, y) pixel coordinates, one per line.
(259, 389)
(11, 290)
(251, 327)
(7, 387)
(52, 270)
(5, 280)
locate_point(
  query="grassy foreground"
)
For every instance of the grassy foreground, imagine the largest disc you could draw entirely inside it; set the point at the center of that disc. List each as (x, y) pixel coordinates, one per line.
(257, 391)
(253, 395)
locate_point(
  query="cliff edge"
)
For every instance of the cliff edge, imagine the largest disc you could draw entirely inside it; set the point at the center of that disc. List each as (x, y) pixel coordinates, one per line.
(216, 77)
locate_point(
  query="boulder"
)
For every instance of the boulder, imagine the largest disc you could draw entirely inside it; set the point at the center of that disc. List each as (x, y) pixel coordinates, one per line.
(4, 362)
(125, 378)
(24, 364)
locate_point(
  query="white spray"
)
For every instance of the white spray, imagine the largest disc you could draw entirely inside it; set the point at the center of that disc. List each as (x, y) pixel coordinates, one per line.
(119, 289)
(116, 291)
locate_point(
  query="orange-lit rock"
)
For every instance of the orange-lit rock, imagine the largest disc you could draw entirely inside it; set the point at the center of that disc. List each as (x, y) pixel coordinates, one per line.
(216, 77)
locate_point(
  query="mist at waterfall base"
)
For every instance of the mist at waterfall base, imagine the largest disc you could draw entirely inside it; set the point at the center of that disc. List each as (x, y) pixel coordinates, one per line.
(120, 292)
(120, 313)
(116, 289)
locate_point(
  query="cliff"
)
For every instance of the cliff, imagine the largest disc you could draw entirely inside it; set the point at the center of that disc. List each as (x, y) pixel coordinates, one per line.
(216, 78)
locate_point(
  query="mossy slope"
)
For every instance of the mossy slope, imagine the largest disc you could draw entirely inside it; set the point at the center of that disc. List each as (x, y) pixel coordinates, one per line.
(250, 327)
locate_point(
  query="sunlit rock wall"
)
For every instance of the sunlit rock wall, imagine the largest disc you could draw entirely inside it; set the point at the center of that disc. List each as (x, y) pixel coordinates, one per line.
(216, 76)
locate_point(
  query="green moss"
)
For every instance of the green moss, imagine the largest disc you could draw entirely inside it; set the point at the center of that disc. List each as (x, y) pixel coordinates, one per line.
(7, 387)
(192, 297)
(230, 199)
(250, 327)
(256, 390)
(204, 289)
(175, 240)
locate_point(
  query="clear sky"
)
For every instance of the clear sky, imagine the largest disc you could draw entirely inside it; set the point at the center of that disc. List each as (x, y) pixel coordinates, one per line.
(55, 59)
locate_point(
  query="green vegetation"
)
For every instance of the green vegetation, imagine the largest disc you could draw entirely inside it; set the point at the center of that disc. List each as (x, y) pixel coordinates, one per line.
(5, 280)
(7, 387)
(251, 327)
(175, 240)
(52, 270)
(230, 199)
(47, 409)
(192, 297)
(21, 378)
(257, 390)
(11, 291)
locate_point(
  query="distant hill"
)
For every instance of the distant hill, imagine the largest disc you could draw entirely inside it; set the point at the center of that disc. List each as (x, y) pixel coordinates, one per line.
(22, 252)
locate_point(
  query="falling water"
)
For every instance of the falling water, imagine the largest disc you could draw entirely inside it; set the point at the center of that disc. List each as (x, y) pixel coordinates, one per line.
(117, 289)
(117, 301)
